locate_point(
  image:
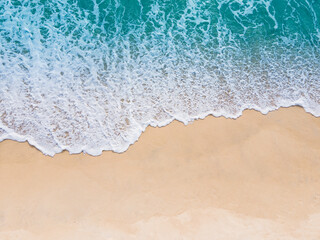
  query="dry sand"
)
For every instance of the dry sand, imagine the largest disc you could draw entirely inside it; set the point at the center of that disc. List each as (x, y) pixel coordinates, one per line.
(257, 177)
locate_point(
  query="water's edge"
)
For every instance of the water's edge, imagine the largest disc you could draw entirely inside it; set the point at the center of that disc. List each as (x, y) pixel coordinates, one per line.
(18, 138)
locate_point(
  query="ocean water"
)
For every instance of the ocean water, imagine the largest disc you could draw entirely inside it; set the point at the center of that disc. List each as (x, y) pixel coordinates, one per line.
(91, 75)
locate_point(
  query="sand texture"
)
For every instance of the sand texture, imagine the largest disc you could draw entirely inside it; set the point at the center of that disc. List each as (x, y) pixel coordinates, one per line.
(257, 177)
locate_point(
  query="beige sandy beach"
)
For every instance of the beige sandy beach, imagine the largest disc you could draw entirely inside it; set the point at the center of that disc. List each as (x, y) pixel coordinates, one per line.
(257, 177)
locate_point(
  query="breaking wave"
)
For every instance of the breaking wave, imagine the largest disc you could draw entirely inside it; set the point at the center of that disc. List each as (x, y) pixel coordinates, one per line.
(91, 75)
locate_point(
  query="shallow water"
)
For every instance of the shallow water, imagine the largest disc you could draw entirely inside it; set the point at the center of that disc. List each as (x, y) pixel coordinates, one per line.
(91, 75)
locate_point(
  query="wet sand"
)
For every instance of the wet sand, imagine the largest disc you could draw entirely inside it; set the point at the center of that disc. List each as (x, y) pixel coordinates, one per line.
(256, 177)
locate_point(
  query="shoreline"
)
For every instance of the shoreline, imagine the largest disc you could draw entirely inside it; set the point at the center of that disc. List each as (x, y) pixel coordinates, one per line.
(33, 143)
(256, 176)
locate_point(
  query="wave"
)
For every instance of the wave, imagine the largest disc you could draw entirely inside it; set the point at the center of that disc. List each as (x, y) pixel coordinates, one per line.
(88, 76)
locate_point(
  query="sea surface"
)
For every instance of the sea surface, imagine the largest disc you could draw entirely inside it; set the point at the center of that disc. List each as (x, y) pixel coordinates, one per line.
(91, 75)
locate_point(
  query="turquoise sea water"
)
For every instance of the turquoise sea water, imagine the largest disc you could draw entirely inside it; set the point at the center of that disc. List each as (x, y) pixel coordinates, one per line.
(91, 75)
